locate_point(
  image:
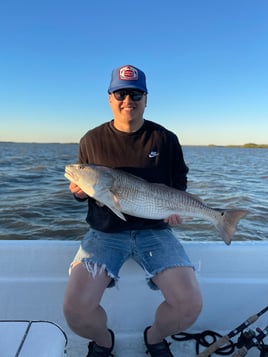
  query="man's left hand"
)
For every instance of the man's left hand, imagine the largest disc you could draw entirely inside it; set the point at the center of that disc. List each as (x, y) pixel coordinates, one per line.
(173, 220)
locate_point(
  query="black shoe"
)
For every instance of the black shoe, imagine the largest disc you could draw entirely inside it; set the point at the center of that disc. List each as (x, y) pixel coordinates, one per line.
(95, 350)
(160, 349)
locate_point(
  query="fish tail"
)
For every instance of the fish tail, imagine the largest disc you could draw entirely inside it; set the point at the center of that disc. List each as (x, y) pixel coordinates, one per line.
(227, 222)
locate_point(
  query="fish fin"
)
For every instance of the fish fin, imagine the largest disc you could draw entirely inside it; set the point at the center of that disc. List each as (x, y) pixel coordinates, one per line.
(116, 208)
(117, 212)
(116, 202)
(107, 198)
(228, 221)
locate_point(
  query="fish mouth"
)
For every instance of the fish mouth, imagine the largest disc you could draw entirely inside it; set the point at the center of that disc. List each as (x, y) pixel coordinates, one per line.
(69, 174)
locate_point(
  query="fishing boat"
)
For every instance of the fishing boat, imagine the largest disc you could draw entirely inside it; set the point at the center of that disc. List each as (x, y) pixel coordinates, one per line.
(33, 276)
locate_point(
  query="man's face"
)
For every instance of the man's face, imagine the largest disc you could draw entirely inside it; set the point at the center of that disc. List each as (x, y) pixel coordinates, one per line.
(124, 106)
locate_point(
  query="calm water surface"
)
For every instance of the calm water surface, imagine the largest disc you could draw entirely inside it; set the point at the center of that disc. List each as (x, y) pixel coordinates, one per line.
(36, 202)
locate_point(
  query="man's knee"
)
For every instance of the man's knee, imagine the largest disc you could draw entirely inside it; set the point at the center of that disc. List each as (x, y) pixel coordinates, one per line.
(190, 306)
(186, 304)
(72, 313)
(76, 316)
(194, 306)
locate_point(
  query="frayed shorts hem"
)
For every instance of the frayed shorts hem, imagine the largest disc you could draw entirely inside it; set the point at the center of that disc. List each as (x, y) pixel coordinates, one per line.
(155, 250)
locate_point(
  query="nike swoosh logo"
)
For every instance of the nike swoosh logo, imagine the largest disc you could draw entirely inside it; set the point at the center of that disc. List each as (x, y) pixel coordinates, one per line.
(153, 154)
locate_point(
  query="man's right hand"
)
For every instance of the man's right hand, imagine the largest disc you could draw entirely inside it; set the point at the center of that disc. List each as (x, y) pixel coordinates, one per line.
(76, 190)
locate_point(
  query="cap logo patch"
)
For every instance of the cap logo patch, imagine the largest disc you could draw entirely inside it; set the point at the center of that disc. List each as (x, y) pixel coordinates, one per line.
(128, 73)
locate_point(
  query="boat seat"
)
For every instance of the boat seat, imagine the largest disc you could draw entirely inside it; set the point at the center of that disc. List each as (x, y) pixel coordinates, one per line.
(31, 339)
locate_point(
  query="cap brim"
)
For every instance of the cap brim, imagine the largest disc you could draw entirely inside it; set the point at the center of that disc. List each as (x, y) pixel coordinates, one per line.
(127, 86)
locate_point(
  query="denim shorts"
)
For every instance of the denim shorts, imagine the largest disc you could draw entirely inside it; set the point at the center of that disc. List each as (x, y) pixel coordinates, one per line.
(153, 249)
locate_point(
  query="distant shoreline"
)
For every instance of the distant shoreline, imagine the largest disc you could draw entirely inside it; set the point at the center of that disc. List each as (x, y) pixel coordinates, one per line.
(247, 146)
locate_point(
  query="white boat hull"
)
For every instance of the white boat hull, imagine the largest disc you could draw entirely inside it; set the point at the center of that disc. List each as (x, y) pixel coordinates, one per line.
(233, 279)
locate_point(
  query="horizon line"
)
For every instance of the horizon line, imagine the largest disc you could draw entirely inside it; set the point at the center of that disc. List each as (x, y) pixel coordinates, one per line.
(246, 145)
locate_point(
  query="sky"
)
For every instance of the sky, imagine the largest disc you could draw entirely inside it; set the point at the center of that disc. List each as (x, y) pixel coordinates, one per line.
(206, 64)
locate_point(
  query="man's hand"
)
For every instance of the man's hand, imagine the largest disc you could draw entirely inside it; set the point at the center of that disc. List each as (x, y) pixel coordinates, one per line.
(173, 220)
(76, 190)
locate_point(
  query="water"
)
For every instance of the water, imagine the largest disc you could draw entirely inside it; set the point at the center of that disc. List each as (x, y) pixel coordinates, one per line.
(35, 202)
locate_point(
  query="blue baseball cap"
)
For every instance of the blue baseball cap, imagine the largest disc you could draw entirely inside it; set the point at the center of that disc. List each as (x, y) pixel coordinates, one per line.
(127, 77)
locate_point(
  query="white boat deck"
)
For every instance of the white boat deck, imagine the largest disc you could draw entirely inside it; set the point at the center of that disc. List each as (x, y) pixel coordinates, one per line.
(233, 279)
(132, 345)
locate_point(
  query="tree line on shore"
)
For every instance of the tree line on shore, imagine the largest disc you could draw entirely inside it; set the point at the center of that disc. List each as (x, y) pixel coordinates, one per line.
(248, 145)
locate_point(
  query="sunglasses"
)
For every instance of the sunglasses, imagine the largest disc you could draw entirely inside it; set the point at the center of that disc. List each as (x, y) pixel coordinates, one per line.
(135, 95)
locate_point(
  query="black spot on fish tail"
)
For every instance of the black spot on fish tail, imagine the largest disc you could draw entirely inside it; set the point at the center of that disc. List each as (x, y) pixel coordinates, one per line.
(227, 222)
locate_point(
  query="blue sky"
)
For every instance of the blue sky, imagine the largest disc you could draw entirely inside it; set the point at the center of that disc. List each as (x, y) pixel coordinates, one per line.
(205, 62)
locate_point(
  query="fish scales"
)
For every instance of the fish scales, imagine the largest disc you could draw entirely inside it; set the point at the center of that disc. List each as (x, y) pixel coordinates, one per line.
(125, 193)
(133, 199)
(151, 200)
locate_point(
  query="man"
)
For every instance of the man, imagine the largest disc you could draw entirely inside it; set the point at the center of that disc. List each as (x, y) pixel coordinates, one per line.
(148, 150)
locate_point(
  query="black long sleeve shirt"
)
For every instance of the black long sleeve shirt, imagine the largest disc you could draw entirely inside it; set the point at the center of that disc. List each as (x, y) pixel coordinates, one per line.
(153, 153)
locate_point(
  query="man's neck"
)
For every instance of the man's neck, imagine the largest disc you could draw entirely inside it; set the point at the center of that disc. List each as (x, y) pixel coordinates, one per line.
(129, 127)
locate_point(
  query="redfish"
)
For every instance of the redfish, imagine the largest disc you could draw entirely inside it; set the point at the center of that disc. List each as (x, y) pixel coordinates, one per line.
(125, 193)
